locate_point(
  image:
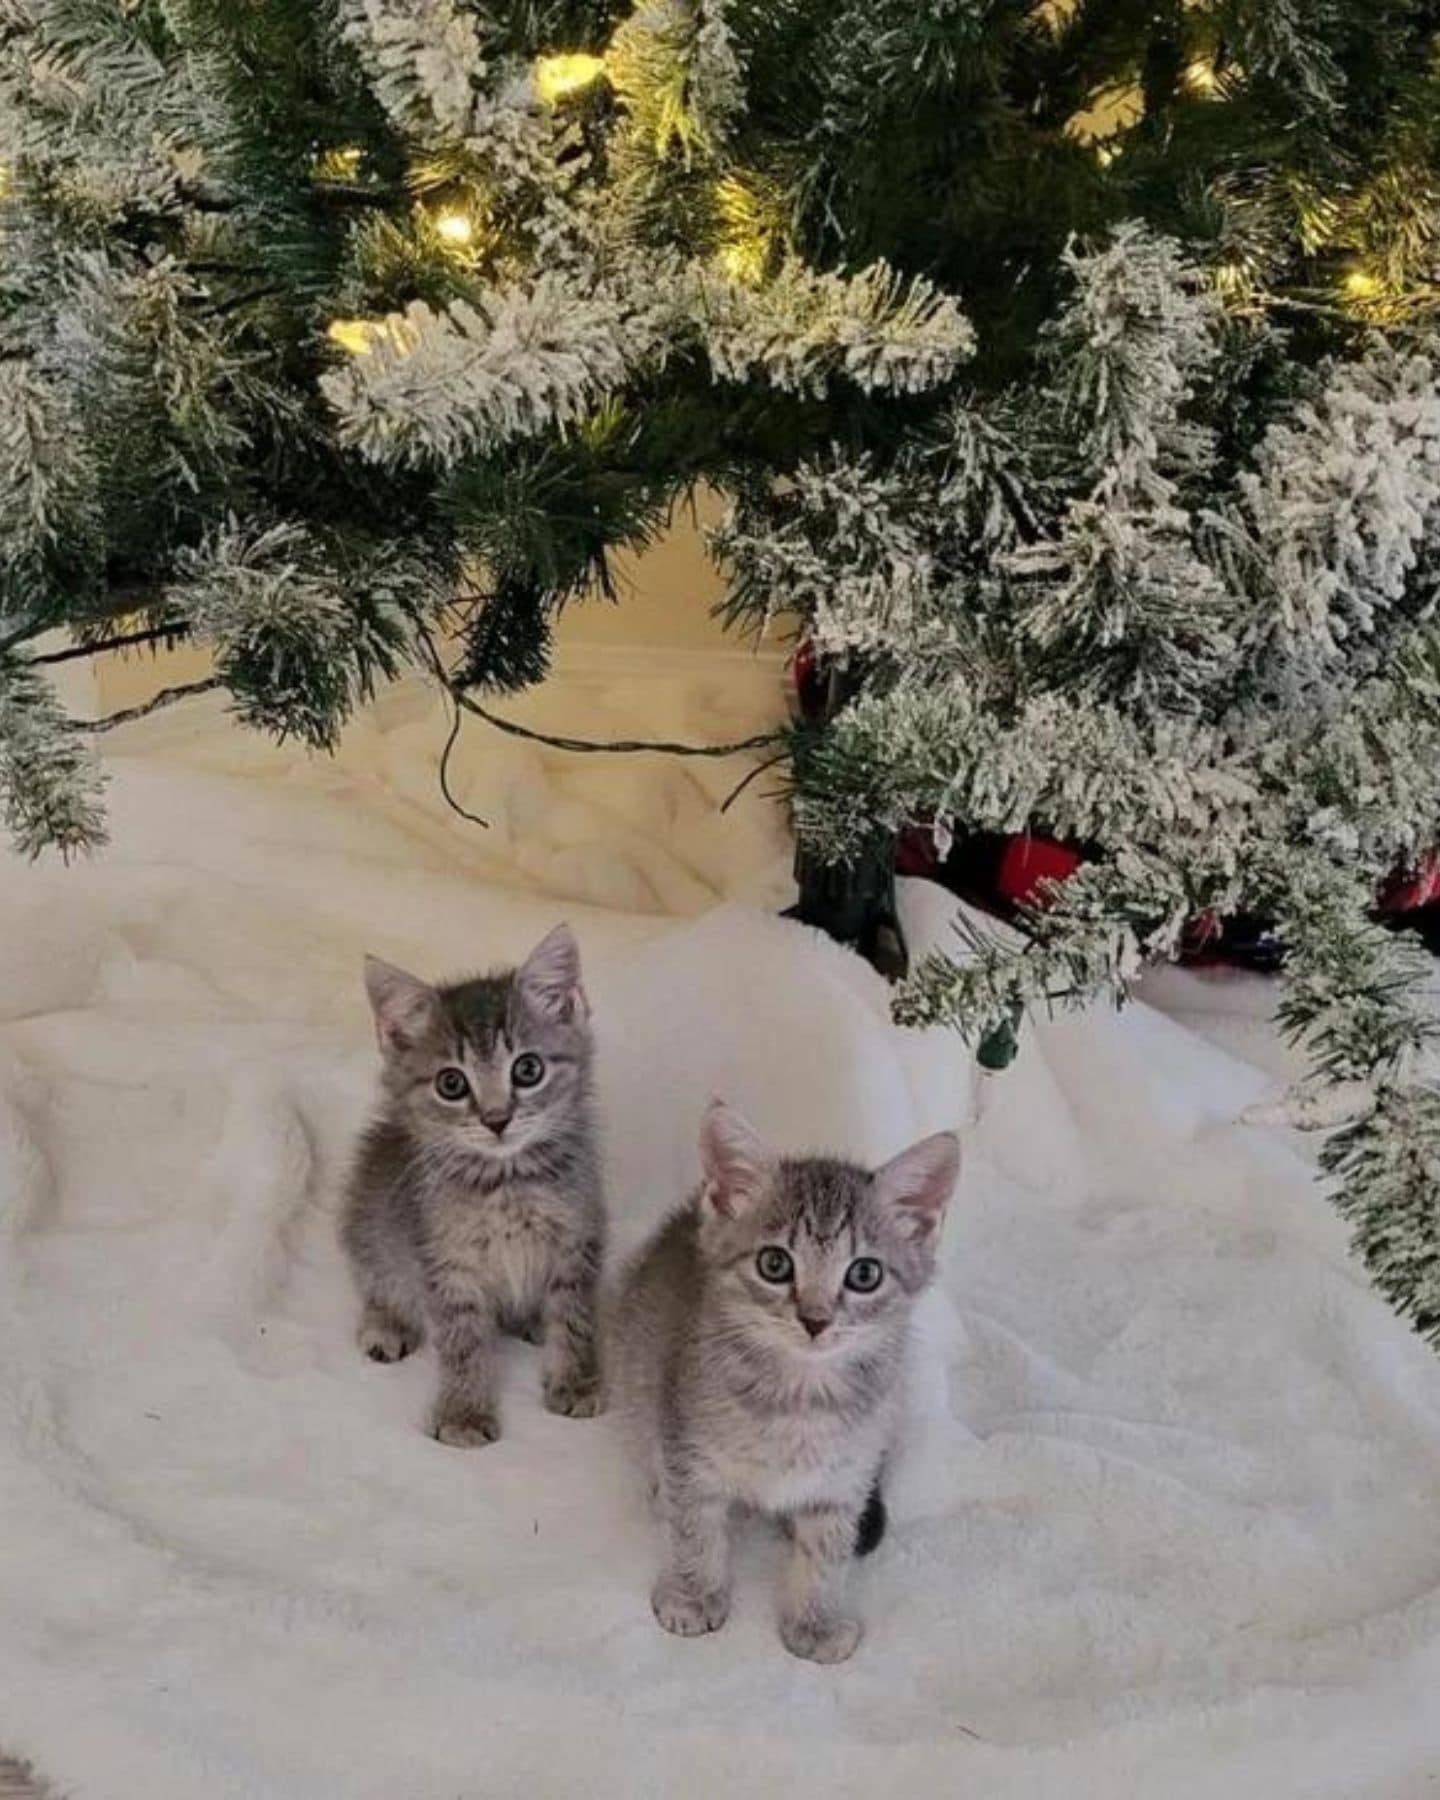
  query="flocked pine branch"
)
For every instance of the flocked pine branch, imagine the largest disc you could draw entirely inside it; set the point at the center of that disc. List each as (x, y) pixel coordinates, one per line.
(1093, 936)
(72, 73)
(1078, 770)
(513, 362)
(1125, 355)
(1361, 1000)
(50, 781)
(679, 75)
(1123, 607)
(427, 58)
(836, 547)
(299, 637)
(803, 327)
(1343, 496)
(49, 499)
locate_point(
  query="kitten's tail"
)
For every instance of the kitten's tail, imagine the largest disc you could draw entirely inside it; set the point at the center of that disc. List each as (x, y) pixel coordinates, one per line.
(871, 1528)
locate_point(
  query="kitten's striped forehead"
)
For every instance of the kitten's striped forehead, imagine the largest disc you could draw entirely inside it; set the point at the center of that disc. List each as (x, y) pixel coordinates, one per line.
(481, 1012)
(494, 1015)
(819, 1197)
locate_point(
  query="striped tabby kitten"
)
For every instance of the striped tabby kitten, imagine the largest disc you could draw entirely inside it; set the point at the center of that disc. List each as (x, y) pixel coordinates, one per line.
(475, 1204)
(760, 1338)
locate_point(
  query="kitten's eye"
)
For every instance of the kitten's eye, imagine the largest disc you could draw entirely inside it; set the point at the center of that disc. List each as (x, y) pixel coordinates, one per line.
(450, 1084)
(527, 1070)
(864, 1275)
(774, 1264)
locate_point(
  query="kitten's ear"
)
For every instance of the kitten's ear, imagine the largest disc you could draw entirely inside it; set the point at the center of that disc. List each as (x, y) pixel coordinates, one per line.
(917, 1184)
(550, 976)
(734, 1161)
(405, 1007)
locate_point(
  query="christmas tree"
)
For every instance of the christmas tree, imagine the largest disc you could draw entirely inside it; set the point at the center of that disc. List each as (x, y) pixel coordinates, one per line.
(1071, 364)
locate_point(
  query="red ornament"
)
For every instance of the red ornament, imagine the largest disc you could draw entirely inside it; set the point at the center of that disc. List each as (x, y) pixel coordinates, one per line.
(1200, 938)
(1407, 890)
(915, 853)
(1027, 862)
(809, 680)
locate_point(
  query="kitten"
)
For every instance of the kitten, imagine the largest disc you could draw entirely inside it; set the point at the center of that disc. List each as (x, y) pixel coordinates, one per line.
(759, 1344)
(475, 1203)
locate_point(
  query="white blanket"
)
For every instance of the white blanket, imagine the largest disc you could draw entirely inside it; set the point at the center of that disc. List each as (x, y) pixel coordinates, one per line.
(1170, 1521)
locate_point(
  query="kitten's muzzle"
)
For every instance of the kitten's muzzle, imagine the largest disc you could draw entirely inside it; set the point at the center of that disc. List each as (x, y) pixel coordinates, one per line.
(496, 1119)
(815, 1323)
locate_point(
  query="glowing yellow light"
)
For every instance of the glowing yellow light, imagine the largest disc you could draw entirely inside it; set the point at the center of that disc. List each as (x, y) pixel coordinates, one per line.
(455, 227)
(744, 262)
(1360, 284)
(558, 77)
(339, 164)
(1105, 154)
(355, 335)
(1201, 78)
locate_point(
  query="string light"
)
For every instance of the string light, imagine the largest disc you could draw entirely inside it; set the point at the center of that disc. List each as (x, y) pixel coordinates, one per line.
(340, 164)
(1201, 79)
(456, 227)
(1105, 154)
(558, 78)
(745, 261)
(1361, 284)
(751, 212)
(357, 336)
(1232, 279)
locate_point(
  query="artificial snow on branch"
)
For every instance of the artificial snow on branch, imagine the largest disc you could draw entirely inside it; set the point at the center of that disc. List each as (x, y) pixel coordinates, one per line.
(49, 498)
(835, 547)
(1125, 354)
(299, 639)
(50, 781)
(1343, 497)
(804, 327)
(675, 66)
(426, 57)
(437, 386)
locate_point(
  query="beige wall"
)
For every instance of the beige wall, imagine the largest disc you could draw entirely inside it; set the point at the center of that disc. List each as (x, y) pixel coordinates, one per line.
(667, 594)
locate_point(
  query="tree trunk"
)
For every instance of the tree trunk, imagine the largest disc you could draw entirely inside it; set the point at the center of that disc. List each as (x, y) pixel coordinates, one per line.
(853, 902)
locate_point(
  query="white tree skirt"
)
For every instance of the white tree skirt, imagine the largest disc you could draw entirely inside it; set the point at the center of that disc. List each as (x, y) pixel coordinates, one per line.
(1171, 1521)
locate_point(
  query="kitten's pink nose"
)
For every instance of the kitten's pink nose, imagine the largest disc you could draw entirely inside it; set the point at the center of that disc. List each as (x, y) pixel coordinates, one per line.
(815, 1323)
(497, 1121)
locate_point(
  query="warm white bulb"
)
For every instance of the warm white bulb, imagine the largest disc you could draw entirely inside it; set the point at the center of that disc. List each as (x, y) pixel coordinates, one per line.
(455, 227)
(1360, 284)
(357, 336)
(558, 77)
(1202, 78)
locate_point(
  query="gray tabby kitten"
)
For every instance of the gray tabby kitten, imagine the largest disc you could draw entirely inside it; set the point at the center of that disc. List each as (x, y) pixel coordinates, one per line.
(760, 1339)
(475, 1203)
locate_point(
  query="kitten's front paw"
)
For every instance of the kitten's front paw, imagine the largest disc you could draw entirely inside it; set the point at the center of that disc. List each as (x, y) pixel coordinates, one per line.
(688, 1614)
(575, 1399)
(821, 1640)
(467, 1430)
(386, 1338)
